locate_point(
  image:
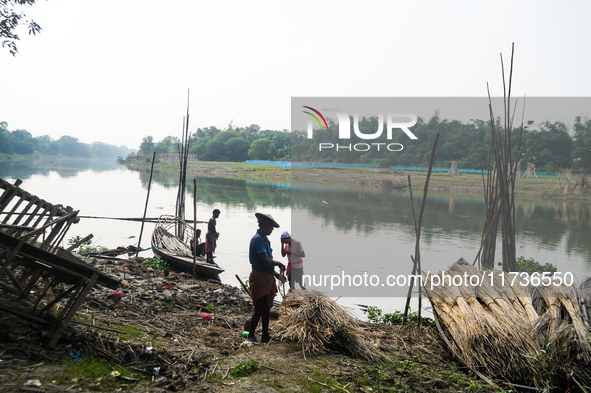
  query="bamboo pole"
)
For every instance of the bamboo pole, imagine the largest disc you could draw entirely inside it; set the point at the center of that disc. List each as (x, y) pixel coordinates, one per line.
(414, 266)
(417, 259)
(136, 219)
(183, 154)
(146, 207)
(194, 227)
(504, 187)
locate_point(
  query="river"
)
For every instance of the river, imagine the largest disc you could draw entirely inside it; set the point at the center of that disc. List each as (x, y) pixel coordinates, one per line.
(345, 232)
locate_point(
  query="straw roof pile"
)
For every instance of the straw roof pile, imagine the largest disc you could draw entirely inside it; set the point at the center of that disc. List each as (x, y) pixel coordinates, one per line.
(510, 331)
(318, 323)
(586, 300)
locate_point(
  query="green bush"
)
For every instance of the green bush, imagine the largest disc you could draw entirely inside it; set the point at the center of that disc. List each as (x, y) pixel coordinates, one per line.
(156, 263)
(86, 246)
(244, 369)
(375, 315)
(531, 266)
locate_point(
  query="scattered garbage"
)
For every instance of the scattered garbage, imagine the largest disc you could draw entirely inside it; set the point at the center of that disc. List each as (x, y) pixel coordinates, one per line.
(148, 349)
(166, 287)
(219, 290)
(156, 370)
(116, 295)
(33, 382)
(245, 334)
(115, 373)
(76, 355)
(207, 316)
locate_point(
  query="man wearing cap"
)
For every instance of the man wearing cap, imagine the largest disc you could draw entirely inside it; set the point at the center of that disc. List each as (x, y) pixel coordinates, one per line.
(211, 236)
(262, 277)
(295, 264)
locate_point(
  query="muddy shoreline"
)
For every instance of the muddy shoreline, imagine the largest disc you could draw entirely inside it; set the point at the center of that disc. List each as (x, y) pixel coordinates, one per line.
(156, 339)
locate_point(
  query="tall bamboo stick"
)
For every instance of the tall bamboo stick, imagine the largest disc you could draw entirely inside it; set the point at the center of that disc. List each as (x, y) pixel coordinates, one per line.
(195, 226)
(146, 207)
(417, 259)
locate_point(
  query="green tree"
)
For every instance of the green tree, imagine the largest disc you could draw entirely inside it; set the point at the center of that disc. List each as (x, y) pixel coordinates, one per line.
(261, 149)
(251, 132)
(69, 146)
(10, 20)
(237, 149)
(216, 147)
(54, 148)
(168, 145)
(147, 145)
(208, 132)
(549, 148)
(102, 150)
(581, 148)
(43, 144)
(199, 148)
(5, 146)
(282, 142)
(22, 142)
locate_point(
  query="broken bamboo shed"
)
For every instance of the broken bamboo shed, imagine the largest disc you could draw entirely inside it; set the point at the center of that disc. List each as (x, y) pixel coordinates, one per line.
(39, 281)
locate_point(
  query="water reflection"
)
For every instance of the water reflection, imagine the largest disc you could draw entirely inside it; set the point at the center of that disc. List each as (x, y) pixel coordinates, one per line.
(553, 232)
(24, 169)
(577, 212)
(226, 191)
(557, 232)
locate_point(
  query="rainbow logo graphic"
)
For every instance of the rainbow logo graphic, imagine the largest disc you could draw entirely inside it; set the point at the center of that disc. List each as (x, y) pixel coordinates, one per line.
(314, 116)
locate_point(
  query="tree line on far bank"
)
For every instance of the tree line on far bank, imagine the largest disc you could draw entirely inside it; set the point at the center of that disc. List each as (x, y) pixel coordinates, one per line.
(548, 145)
(233, 144)
(23, 143)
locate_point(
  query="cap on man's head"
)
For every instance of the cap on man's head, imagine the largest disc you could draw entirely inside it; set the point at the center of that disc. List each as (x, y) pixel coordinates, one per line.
(266, 219)
(285, 235)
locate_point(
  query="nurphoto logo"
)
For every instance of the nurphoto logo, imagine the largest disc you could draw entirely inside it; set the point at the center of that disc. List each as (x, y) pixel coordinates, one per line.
(402, 121)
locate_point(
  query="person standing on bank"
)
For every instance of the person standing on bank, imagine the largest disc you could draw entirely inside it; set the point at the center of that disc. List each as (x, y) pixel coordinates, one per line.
(295, 264)
(211, 237)
(262, 277)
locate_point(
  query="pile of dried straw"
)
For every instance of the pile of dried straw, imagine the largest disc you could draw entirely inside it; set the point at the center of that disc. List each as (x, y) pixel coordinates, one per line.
(514, 331)
(318, 323)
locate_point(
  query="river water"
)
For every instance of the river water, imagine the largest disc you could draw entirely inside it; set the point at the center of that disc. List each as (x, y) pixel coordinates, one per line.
(345, 232)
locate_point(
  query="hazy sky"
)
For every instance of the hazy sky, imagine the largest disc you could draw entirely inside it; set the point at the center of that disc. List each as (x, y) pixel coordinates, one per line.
(117, 71)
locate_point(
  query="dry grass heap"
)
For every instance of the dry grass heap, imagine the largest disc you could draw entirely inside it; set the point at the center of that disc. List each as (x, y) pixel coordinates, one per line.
(514, 332)
(318, 323)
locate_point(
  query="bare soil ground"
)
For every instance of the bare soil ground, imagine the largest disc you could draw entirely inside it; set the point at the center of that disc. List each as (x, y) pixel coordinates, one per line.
(157, 340)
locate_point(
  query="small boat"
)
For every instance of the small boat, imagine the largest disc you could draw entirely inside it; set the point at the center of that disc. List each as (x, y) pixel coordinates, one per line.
(175, 249)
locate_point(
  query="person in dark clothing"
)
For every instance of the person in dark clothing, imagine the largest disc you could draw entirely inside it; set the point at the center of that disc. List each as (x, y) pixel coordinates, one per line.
(262, 277)
(211, 236)
(197, 247)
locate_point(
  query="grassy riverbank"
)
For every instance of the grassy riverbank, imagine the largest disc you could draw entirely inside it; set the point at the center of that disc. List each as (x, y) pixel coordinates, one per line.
(540, 188)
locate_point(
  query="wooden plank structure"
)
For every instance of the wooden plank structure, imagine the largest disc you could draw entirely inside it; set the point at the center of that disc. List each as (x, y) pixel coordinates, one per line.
(36, 275)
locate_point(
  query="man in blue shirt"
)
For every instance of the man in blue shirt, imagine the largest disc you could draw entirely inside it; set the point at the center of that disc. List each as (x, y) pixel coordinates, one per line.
(262, 277)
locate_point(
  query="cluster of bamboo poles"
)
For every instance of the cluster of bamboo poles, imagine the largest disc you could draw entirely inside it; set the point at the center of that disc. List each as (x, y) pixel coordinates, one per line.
(183, 151)
(499, 184)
